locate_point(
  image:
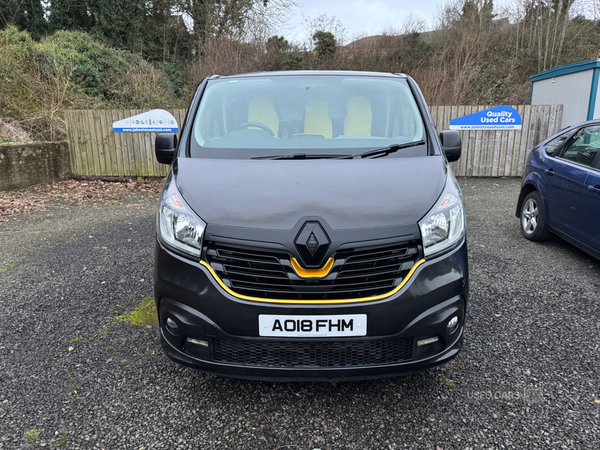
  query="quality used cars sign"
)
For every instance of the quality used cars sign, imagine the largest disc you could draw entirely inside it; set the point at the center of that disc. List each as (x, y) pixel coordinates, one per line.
(498, 118)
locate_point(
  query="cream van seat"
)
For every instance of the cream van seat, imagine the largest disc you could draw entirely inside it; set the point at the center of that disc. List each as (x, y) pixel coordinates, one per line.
(358, 118)
(262, 110)
(316, 118)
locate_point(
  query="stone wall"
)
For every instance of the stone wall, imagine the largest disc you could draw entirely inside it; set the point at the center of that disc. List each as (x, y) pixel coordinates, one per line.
(24, 165)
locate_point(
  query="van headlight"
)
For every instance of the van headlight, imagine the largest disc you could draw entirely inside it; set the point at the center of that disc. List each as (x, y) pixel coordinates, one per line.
(443, 228)
(179, 228)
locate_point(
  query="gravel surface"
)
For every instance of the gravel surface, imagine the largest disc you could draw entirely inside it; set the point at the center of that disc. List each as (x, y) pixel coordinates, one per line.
(72, 376)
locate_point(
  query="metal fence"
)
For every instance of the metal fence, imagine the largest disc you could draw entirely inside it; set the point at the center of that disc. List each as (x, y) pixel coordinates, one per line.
(96, 150)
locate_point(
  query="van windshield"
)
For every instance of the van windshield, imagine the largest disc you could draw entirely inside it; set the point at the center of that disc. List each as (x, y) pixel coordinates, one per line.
(316, 115)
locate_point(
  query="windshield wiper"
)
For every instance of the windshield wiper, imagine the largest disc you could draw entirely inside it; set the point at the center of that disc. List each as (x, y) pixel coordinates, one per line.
(300, 156)
(378, 152)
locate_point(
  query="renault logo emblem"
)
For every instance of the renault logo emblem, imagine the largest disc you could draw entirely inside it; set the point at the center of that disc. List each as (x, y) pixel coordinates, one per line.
(312, 244)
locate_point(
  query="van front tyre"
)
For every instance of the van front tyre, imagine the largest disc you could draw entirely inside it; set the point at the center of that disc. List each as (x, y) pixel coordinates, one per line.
(533, 223)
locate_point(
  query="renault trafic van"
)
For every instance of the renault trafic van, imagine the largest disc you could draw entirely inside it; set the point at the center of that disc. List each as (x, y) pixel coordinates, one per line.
(310, 228)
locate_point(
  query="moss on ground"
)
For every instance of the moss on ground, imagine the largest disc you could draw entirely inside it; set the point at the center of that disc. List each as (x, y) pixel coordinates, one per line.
(33, 436)
(9, 266)
(143, 315)
(447, 381)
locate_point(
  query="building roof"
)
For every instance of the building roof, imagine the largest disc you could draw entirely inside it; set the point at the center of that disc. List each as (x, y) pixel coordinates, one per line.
(565, 70)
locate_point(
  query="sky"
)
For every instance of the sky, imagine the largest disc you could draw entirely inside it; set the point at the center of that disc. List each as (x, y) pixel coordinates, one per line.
(371, 17)
(359, 17)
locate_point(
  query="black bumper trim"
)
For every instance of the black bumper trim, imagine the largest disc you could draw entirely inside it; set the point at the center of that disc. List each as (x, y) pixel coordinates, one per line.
(312, 374)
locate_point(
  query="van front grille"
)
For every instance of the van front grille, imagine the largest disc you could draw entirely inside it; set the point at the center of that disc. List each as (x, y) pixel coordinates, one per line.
(356, 273)
(312, 354)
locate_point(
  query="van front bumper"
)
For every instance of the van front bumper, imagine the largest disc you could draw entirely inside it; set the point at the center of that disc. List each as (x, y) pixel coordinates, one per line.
(218, 333)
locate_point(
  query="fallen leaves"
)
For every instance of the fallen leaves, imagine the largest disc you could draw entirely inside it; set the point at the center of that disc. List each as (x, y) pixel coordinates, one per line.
(73, 192)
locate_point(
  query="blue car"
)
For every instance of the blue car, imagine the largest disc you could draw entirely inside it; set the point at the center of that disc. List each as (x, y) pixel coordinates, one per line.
(560, 193)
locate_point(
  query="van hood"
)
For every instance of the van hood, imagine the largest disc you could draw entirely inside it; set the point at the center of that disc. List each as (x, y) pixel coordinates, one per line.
(276, 194)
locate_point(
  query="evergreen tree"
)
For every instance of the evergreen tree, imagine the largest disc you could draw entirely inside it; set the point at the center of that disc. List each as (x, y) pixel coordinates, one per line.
(25, 15)
(324, 44)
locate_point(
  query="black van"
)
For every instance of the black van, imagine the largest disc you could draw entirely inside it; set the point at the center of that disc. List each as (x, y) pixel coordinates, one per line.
(310, 228)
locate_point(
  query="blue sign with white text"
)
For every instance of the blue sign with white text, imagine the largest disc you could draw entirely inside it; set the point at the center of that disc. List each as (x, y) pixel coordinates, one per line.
(498, 118)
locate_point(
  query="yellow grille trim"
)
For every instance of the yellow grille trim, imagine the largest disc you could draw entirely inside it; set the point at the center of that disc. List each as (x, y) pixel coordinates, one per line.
(312, 273)
(313, 302)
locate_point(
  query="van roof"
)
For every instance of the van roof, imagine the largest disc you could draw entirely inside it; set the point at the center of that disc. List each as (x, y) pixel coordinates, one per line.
(312, 73)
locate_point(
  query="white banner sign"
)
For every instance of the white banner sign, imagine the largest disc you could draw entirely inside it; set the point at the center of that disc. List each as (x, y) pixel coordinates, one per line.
(155, 121)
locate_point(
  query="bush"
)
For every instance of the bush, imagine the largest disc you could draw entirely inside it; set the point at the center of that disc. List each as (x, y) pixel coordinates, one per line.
(38, 81)
(18, 96)
(179, 81)
(91, 62)
(17, 45)
(142, 87)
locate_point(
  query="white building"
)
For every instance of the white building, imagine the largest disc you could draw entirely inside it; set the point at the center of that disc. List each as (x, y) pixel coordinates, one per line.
(575, 86)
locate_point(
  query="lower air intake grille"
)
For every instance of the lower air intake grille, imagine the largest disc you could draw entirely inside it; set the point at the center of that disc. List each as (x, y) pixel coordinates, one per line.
(312, 354)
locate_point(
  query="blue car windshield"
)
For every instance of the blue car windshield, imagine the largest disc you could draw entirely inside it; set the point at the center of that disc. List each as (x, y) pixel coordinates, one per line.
(244, 117)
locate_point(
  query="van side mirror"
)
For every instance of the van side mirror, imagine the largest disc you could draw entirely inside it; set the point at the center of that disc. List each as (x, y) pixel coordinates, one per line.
(165, 146)
(452, 144)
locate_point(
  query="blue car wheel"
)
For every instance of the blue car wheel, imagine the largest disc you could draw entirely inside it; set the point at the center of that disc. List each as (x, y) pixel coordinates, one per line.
(533, 224)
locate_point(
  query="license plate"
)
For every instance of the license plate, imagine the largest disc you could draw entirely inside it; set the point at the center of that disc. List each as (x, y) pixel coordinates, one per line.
(312, 326)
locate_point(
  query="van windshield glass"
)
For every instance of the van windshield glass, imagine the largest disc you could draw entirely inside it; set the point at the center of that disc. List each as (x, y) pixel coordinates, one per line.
(312, 115)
